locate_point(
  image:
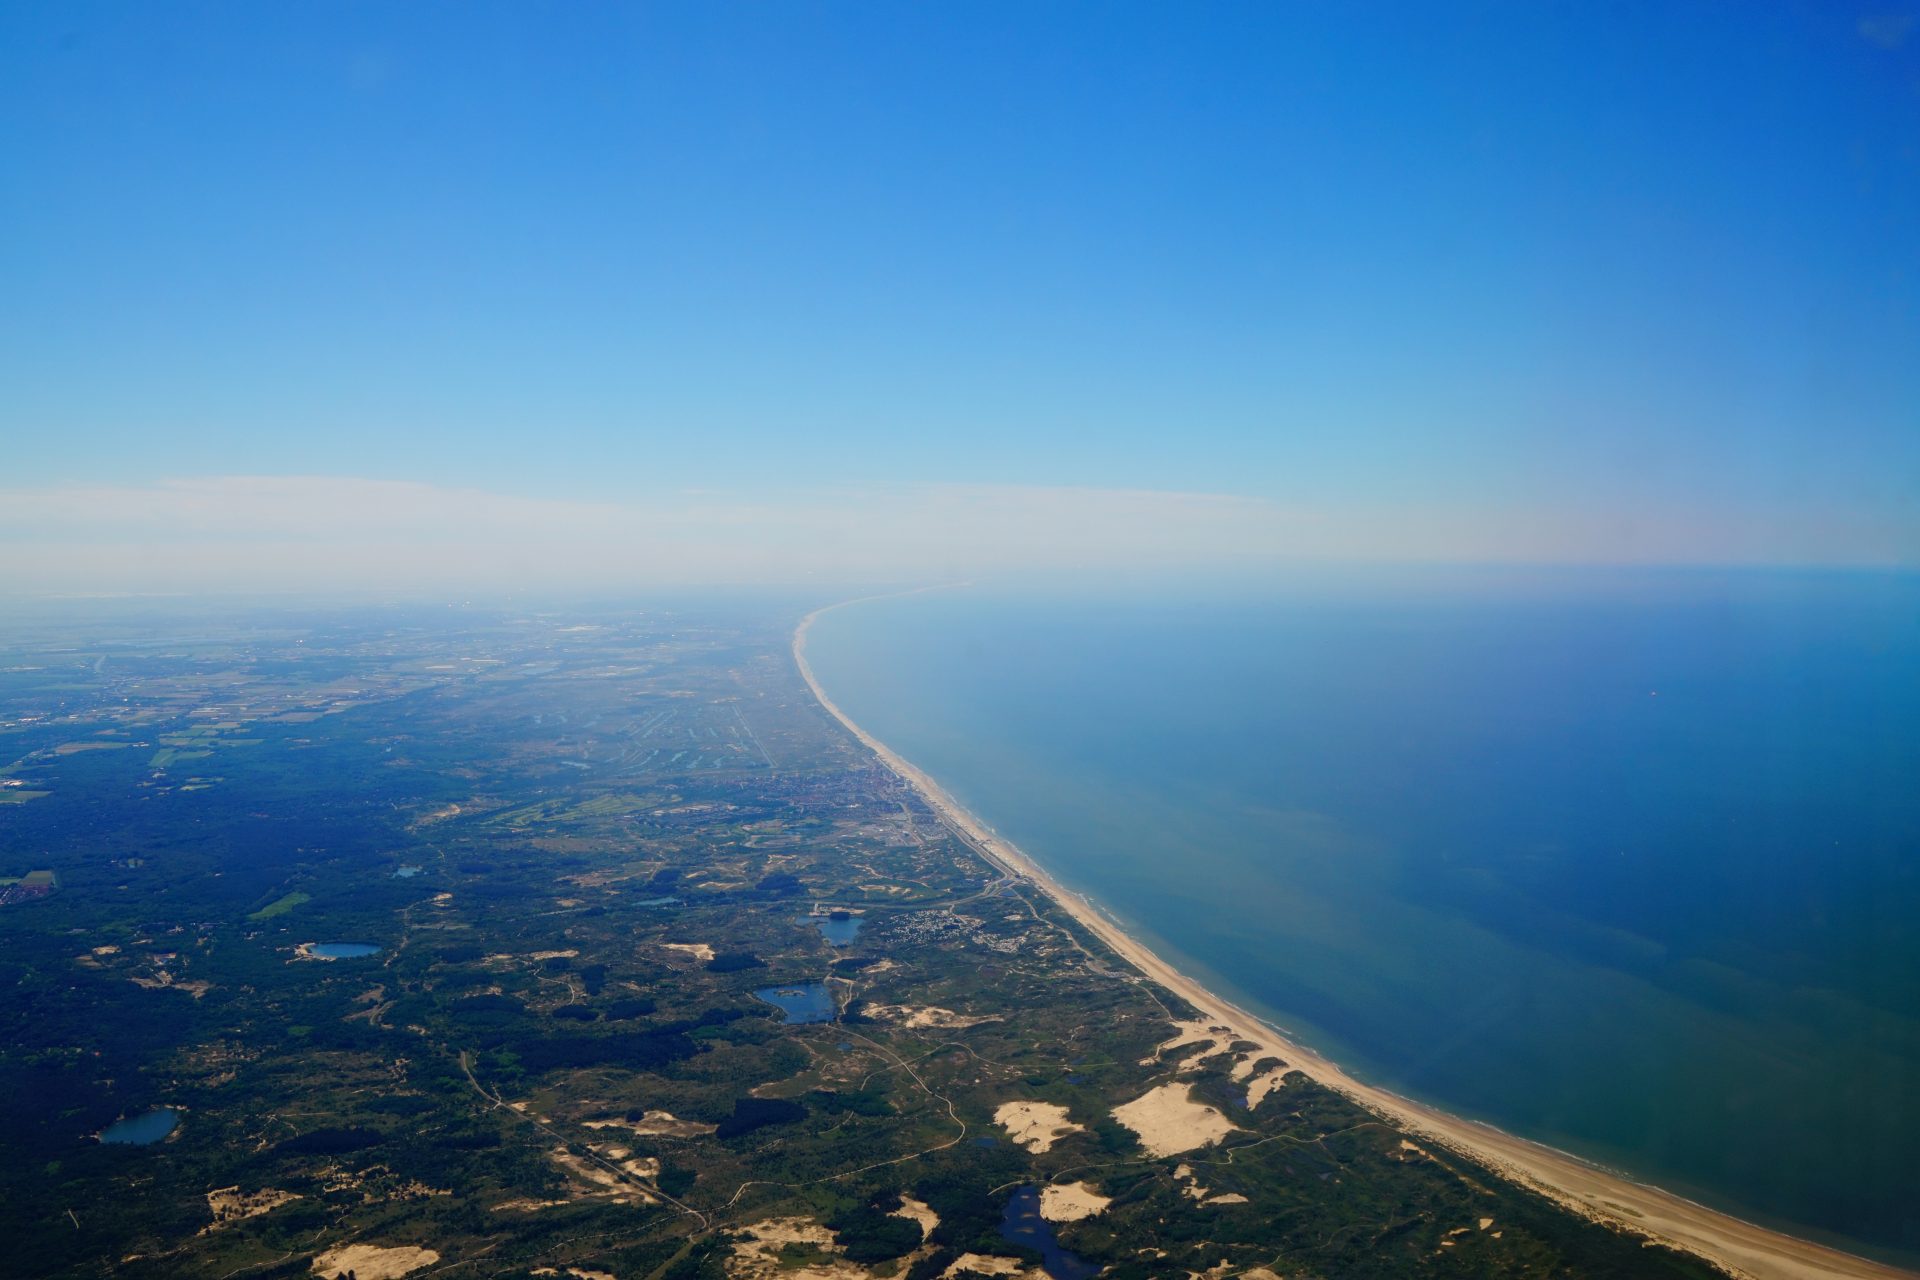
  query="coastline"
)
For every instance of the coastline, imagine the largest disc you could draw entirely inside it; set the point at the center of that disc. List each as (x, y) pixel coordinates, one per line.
(1740, 1247)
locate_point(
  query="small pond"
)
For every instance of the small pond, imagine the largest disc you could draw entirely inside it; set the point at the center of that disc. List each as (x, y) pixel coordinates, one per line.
(141, 1130)
(342, 950)
(406, 873)
(839, 928)
(656, 902)
(801, 1001)
(1023, 1225)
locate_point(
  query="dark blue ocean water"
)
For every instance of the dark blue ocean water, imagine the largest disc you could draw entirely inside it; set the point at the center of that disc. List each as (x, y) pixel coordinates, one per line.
(1629, 863)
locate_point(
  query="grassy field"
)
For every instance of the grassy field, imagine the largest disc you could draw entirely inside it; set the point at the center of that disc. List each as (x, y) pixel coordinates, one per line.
(280, 906)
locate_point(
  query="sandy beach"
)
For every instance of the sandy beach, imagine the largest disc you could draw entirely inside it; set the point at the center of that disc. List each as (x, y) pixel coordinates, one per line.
(1740, 1247)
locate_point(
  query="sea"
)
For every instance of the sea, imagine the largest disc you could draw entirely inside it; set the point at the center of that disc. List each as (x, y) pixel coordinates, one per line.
(1625, 861)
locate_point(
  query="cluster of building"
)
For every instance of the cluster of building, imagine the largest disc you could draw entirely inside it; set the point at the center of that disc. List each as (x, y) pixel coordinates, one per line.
(35, 884)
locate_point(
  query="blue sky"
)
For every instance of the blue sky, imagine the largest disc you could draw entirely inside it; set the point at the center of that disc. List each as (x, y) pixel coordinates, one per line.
(1453, 267)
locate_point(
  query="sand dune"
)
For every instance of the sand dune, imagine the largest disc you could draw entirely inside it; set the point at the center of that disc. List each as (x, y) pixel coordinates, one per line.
(1034, 1125)
(1071, 1201)
(1169, 1121)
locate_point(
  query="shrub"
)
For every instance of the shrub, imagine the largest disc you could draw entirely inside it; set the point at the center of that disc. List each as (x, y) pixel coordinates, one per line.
(758, 1113)
(869, 1235)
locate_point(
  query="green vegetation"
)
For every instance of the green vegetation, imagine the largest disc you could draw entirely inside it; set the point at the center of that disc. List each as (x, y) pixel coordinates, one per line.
(868, 1235)
(280, 906)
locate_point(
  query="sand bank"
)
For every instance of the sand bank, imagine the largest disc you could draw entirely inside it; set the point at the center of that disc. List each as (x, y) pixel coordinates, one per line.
(1738, 1246)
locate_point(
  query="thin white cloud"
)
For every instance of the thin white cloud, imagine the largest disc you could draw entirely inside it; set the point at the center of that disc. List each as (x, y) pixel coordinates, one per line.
(302, 532)
(318, 533)
(1888, 30)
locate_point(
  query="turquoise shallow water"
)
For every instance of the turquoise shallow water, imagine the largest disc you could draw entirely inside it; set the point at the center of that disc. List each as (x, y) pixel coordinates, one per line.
(1630, 864)
(344, 950)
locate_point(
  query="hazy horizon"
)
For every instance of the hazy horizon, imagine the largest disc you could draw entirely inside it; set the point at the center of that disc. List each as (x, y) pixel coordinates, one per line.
(493, 298)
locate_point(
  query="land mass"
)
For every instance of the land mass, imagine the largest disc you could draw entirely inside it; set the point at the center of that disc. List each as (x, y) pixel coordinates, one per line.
(592, 945)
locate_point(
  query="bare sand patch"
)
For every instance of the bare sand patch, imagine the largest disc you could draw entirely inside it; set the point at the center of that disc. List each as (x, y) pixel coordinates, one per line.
(372, 1261)
(524, 1205)
(554, 955)
(229, 1204)
(1035, 1125)
(1246, 1063)
(1193, 1190)
(654, 1124)
(759, 1255)
(1168, 1121)
(918, 1211)
(1070, 1202)
(1265, 1083)
(1212, 1037)
(701, 951)
(165, 981)
(990, 1265)
(588, 1175)
(924, 1016)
